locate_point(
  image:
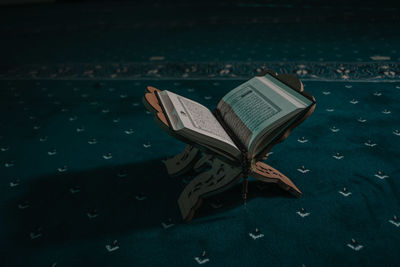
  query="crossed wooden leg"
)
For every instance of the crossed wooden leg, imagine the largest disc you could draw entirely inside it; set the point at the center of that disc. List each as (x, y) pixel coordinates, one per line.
(216, 176)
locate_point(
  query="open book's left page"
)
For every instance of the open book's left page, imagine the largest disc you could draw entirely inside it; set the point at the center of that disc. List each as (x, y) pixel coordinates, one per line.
(196, 122)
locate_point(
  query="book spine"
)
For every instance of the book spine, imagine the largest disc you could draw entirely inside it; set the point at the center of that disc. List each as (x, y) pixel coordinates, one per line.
(234, 138)
(245, 163)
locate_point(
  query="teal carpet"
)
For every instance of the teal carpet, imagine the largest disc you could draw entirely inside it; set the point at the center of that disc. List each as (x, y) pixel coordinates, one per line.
(81, 160)
(40, 118)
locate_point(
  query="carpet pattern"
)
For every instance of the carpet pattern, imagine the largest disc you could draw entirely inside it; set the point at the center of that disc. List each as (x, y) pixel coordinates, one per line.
(82, 167)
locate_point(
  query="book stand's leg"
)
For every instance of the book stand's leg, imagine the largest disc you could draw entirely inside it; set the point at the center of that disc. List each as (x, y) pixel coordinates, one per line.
(218, 178)
(267, 174)
(182, 162)
(215, 176)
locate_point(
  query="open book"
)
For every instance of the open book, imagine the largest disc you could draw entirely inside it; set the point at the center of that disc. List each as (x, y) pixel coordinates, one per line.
(248, 118)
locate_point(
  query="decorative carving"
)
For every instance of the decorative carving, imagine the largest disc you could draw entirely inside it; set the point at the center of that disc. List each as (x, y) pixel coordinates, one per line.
(265, 173)
(182, 162)
(219, 178)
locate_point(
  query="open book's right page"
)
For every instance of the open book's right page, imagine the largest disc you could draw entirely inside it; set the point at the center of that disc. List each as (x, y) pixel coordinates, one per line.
(259, 106)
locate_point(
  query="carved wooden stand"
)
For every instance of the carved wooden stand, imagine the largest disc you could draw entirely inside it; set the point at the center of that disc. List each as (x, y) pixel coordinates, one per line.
(214, 174)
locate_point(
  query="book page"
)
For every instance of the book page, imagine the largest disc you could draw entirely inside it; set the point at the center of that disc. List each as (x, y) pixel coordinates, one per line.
(257, 106)
(198, 118)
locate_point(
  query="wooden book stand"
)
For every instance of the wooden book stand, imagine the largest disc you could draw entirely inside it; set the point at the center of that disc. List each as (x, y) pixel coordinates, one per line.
(215, 173)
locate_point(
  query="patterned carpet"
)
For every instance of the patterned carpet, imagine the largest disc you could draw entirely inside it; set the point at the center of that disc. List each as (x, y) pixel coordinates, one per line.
(81, 159)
